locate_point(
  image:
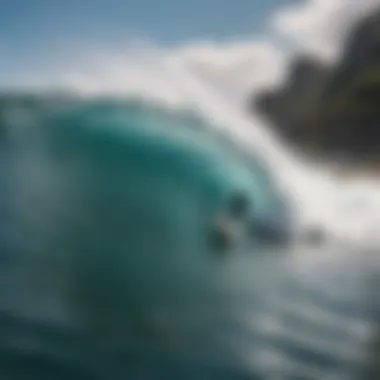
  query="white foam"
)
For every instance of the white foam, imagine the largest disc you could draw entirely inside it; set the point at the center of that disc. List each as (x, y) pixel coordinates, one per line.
(209, 78)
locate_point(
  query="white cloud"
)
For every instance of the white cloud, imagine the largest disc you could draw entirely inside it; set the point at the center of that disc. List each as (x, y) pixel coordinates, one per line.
(234, 68)
(320, 26)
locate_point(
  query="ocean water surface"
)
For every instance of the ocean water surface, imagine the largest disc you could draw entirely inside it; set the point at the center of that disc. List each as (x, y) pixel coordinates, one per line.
(108, 271)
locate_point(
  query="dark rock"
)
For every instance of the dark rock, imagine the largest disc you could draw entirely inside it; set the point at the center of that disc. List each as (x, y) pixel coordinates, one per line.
(332, 111)
(289, 107)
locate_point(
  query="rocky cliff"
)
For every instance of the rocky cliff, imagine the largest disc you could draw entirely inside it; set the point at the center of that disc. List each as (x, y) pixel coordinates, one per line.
(332, 110)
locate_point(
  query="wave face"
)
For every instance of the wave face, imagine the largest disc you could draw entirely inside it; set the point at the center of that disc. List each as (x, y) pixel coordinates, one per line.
(107, 267)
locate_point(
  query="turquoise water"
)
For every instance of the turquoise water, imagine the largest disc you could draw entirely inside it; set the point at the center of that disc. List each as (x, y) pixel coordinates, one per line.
(108, 270)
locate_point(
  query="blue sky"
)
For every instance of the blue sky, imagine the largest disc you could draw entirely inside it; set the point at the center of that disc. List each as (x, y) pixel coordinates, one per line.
(26, 23)
(33, 32)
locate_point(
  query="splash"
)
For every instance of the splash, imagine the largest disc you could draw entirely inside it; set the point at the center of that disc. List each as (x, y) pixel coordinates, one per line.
(213, 79)
(121, 163)
(174, 79)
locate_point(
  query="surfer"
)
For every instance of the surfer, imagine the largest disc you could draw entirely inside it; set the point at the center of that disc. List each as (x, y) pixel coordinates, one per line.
(228, 226)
